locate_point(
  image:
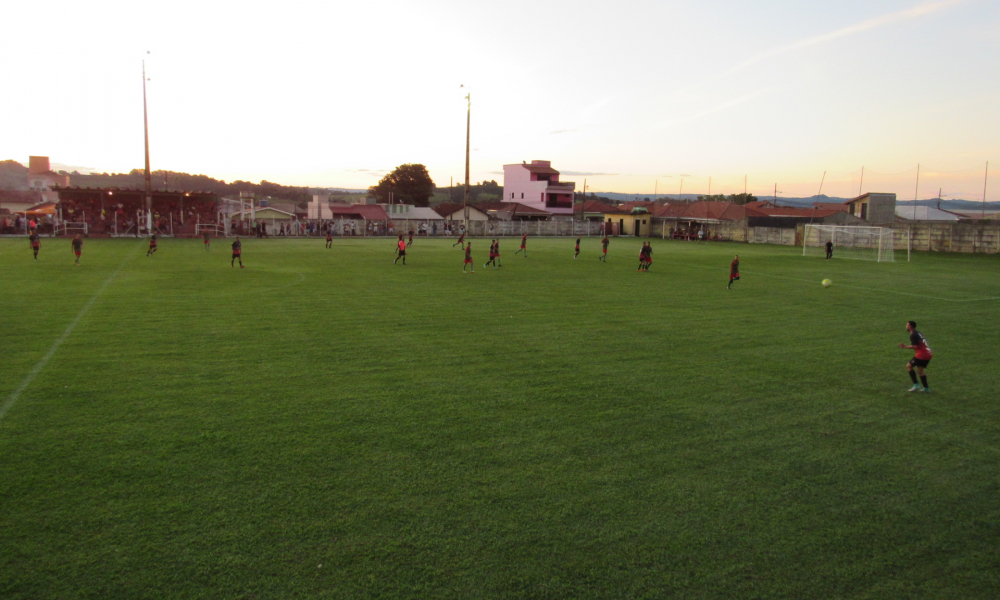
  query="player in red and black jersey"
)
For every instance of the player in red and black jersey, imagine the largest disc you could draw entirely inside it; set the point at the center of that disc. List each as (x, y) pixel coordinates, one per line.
(577, 253)
(645, 256)
(493, 255)
(410, 239)
(35, 243)
(496, 253)
(329, 238)
(77, 244)
(468, 259)
(921, 357)
(734, 271)
(400, 249)
(524, 245)
(152, 245)
(237, 252)
(208, 241)
(604, 249)
(461, 240)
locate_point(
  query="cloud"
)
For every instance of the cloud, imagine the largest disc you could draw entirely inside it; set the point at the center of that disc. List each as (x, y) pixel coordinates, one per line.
(712, 110)
(558, 131)
(866, 25)
(587, 174)
(372, 171)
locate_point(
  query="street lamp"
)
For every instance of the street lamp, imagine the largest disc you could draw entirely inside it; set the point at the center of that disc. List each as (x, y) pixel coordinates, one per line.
(468, 121)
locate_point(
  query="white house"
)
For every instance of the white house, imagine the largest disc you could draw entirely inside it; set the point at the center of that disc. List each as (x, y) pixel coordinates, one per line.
(537, 185)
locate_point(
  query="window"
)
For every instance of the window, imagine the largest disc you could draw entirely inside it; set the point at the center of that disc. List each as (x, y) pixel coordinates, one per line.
(512, 195)
(522, 196)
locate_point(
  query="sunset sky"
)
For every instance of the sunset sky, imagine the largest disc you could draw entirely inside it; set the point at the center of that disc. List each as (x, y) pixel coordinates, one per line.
(632, 96)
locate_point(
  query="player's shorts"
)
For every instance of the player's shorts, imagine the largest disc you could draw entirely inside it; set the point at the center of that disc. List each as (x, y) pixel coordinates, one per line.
(236, 254)
(206, 241)
(605, 250)
(402, 252)
(468, 261)
(649, 260)
(920, 362)
(76, 252)
(35, 246)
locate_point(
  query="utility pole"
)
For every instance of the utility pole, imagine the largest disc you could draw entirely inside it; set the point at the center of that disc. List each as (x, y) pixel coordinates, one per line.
(863, 179)
(149, 182)
(916, 193)
(820, 193)
(468, 122)
(985, 178)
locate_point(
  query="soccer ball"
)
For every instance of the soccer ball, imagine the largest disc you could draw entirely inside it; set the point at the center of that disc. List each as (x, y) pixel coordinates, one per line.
(827, 283)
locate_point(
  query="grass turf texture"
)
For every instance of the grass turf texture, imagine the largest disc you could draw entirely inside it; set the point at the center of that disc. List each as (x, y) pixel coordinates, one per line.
(326, 424)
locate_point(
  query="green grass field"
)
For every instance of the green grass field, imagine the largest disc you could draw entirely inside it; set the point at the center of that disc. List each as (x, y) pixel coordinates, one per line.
(324, 424)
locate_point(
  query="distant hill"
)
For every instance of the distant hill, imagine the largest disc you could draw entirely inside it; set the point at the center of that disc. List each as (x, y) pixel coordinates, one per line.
(13, 175)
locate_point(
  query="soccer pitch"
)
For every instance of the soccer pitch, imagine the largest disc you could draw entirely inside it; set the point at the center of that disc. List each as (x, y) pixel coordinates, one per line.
(325, 424)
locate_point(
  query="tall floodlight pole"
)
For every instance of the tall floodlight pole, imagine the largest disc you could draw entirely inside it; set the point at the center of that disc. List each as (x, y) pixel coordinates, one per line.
(916, 193)
(149, 182)
(468, 122)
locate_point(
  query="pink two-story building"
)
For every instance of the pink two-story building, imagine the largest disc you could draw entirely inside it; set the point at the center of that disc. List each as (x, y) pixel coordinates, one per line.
(536, 184)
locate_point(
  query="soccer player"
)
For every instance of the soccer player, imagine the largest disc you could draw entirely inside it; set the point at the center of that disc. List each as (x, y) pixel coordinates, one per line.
(649, 254)
(604, 249)
(329, 238)
(410, 242)
(237, 252)
(35, 243)
(468, 259)
(496, 253)
(829, 249)
(577, 249)
(921, 357)
(461, 240)
(77, 244)
(645, 256)
(208, 241)
(493, 255)
(400, 250)
(734, 271)
(152, 245)
(524, 245)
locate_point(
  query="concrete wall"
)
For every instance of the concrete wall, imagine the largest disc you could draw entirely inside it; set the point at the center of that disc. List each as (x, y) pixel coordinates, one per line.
(961, 236)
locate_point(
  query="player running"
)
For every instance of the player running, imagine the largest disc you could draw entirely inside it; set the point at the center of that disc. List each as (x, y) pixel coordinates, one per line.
(237, 252)
(577, 249)
(461, 240)
(921, 357)
(400, 250)
(734, 271)
(152, 245)
(524, 245)
(468, 259)
(77, 244)
(604, 249)
(410, 242)
(35, 243)
(329, 238)
(829, 249)
(208, 241)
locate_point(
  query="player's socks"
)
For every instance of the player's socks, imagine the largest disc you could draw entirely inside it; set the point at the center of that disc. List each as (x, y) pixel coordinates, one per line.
(923, 380)
(913, 376)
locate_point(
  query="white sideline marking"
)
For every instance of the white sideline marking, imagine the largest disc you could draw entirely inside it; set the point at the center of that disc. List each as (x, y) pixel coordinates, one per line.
(65, 334)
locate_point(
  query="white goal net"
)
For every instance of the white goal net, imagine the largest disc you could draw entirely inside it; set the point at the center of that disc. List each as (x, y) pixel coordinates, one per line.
(863, 243)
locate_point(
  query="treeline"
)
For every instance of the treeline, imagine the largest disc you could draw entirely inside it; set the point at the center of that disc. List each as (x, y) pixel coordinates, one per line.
(14, 176)
(170, 180)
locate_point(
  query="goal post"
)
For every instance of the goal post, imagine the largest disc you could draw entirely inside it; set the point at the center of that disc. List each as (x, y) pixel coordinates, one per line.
(861, 243)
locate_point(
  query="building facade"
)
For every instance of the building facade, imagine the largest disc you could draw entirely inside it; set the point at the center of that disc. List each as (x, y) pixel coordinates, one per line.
(536, 184)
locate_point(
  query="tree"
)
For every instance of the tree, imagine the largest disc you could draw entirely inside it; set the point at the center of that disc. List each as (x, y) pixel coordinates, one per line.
(742, 198)
(408, 183)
